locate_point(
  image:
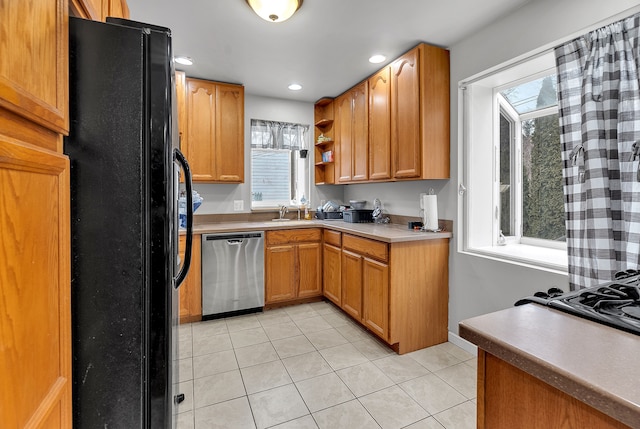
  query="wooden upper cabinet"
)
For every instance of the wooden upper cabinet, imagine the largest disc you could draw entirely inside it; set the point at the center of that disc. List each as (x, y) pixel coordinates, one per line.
(115, 8)
(405, 116)
(352, 134)
(229, 133)
(99, 10)
(360, 138)
(199, 149)
(380, 125)
(34, 69)
(181, 108)
(214, 133)
(343, 129)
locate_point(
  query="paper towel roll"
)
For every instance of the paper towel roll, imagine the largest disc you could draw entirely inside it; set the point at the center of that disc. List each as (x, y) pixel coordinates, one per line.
(430, 204)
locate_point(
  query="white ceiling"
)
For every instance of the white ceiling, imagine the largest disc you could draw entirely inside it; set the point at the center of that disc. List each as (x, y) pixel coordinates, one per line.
(325, 46)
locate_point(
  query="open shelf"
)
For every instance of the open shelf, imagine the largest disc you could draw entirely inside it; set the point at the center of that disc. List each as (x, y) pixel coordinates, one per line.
(324, 143)
(322, 123)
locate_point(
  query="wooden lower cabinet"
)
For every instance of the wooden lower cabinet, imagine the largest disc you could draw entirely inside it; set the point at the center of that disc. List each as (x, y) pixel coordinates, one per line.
(375, 292)
(352, 284)
(399, 291)
(35, 294)
(190, 291)
(511, 398)
(332, 273)
(293, 265)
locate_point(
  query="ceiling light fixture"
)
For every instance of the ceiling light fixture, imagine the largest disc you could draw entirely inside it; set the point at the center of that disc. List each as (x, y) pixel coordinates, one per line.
(375, 59)
(186, 61)
(295, 87)
(275, 10)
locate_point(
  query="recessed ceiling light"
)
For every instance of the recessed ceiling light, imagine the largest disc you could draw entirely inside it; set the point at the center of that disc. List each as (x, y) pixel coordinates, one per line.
(375, 59)
(295, 87)
(186, 61)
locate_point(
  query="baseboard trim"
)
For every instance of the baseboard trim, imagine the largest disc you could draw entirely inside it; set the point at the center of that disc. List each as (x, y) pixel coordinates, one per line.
(463, 344)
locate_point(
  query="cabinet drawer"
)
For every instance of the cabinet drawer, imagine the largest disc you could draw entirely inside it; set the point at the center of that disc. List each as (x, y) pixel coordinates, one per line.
(371, 248)
(286, 236)
(332, 237)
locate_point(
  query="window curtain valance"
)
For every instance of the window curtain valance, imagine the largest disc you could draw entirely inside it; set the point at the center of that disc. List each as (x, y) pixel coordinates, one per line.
(599, 105)
(278, 135)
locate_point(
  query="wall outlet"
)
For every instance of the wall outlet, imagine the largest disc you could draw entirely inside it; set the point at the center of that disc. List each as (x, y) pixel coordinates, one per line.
(238, 205)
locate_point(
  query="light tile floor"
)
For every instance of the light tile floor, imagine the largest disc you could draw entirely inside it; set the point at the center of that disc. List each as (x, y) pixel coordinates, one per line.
(311, 366)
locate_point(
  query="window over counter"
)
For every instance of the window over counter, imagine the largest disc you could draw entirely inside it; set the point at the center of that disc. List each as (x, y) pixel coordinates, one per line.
(513, 203)
(279, 164)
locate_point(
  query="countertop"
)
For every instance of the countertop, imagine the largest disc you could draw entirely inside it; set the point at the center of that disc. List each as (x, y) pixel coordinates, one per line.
(389, 233)
(596, 364)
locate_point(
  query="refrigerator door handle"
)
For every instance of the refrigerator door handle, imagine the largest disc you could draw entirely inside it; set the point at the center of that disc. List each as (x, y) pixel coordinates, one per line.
(182, 274)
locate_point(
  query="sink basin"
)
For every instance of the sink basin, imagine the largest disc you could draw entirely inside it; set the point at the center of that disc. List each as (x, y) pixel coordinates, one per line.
(282, 220)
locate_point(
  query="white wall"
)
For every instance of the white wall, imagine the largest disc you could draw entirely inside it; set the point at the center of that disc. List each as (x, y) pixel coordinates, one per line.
(219, 198)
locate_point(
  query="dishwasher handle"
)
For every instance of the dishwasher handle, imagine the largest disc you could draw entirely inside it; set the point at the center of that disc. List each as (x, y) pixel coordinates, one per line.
(235, 242)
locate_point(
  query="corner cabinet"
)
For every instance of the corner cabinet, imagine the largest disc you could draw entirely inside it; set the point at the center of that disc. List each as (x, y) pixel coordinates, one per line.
(293, 265)
(214, 138)
(35, 267)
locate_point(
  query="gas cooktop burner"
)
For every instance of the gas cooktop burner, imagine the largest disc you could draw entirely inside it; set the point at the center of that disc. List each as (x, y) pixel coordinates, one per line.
(616, 303)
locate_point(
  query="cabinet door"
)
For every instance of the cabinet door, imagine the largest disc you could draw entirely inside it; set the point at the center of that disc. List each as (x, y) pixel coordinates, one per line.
(280, 268)
(332, 274)
(117, 8)
(380, 125)
(229, 135)
(310, 270)
(360, 138)
(405, 116)
(201, 129)
(344, 133)
(34, 71)
(35, 320)
(190, 292)
(375, 291)
(352, 284)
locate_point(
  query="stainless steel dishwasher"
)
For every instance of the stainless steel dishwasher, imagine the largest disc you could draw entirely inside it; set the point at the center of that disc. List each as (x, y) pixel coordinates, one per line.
(232, 273)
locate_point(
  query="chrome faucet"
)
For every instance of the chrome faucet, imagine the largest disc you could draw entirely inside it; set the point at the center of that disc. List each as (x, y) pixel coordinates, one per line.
(283, 210)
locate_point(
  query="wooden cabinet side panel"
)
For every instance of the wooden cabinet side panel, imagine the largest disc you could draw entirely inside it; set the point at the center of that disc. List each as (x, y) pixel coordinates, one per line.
(201, 129)
(229, 141)
(332, 277)
(344, 133)
(435, 112)
(419, 293)
(190, 292)
(35, 84)
(405, 116)
(310, 270)
(375, 296)
(35, 321)
(360, 139)
(352, 284)
(515, 399)
(380, 125)
(280, 274)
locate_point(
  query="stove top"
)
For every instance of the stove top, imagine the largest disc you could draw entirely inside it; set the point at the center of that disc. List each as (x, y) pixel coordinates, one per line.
(615, 303)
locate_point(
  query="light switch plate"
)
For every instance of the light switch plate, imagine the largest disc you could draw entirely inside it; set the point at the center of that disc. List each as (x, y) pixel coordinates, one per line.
(238, 205)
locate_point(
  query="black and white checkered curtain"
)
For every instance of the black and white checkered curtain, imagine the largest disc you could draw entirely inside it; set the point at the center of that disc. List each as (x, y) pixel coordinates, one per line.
(599, 103)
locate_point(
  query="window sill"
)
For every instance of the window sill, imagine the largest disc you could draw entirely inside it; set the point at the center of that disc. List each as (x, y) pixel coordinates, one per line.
(543, 258)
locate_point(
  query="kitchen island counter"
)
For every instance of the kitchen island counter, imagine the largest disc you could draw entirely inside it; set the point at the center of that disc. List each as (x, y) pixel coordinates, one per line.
(592, 363)
(388, 233)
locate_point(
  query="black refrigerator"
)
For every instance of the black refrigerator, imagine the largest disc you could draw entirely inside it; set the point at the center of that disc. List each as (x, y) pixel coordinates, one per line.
(125, 165)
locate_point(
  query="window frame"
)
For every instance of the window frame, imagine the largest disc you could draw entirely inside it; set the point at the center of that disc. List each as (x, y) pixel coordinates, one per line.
(473, 94)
